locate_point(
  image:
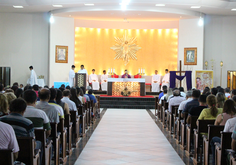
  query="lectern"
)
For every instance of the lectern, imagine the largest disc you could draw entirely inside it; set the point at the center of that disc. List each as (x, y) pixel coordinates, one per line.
(80, 79)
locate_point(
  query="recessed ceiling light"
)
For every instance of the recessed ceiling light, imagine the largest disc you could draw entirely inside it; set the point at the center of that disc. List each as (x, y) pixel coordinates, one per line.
(160, 5)
(89, 4)
(195, 7)
(233, 9)
(57, 5)
(18, 7)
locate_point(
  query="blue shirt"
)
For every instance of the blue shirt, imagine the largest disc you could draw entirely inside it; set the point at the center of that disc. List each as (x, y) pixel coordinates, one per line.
(161, 94)
(190, 105)
(92, 97)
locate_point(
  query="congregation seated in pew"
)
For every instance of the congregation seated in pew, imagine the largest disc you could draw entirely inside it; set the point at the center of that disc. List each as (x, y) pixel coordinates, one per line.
(175, 100)
(64, 105)
(52, 101)
(66, 99)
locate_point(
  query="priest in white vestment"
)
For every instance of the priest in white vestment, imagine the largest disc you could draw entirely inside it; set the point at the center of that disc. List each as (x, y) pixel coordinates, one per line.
(33, 77)
(93, 78)
(104, 78)
(166, 79)
(83, 70)
(72, 76)
(156, 79)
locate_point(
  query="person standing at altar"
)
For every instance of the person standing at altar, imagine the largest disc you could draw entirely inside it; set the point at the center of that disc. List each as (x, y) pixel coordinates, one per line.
(166, 79)
(72, 76)
(33, 77)
(126, 75)
(156, 82)
(93, 78)
(83, 70)
(104, 78)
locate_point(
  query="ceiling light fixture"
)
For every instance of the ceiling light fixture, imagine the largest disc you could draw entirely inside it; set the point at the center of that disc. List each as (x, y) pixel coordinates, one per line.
(18, 7)
(195, 7)
(89, 4)
(233, 9)
(57, 5)
(160, 5)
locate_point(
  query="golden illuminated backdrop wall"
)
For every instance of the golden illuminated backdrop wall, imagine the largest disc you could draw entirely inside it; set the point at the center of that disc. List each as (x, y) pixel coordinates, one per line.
(159, 50)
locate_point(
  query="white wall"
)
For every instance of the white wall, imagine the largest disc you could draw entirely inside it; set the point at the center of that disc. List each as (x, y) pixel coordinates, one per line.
(220, 45)
(124, 25)
(24, 42)
(191, 35)
(61, 33)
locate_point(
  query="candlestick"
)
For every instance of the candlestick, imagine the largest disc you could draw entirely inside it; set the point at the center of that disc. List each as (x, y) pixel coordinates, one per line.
(108, 71)
(143, 71)
(138, 71)
(113, 70)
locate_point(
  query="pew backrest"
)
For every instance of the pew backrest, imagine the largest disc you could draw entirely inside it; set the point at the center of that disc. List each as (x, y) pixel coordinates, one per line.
(6, 157)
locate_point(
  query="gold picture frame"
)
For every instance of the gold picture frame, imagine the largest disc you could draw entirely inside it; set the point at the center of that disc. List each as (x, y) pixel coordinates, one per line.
(190, 56)
(61, 54)
(204, 78)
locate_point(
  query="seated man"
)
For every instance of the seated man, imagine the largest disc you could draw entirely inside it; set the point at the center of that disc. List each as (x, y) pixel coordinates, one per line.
(104, 78)
(163, 96)
(156, 79)
(52, 101)
(182, 93)
(183, 103)
(126, 75)
(93, 78)
(51, 111)
(166, 79)
(176, 100)
(37, 116)
(164, 87)
(8, 139)
(92, 97)
(66, 99)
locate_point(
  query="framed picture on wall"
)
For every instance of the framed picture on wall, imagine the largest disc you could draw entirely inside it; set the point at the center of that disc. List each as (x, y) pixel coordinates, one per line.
(190, 56)
(61, 54)
(204, 78)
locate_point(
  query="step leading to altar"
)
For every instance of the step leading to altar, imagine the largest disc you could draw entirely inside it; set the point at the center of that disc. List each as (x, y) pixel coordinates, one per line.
(146, 102)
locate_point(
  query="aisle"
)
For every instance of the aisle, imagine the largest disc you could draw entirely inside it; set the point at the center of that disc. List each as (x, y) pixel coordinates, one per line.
(128, 137)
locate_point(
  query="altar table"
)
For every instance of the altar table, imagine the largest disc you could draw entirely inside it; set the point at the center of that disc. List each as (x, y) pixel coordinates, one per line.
(134, 85)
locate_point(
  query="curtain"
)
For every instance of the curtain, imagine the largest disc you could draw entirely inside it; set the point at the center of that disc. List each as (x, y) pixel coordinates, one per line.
(188, 75)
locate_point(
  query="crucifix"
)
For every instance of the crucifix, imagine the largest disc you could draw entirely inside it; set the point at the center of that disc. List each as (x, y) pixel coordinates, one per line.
(180, 71)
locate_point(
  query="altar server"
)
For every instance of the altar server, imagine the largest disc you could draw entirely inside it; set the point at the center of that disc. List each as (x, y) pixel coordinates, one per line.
(104, 78)
(166, 79)
(93, 78)
(83, 70)
(72, 76)
(156, 79)
(33, 77)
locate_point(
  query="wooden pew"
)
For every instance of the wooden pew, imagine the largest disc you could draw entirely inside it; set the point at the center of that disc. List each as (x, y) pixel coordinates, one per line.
(220, 150)
(232, 158)
(189, 134)
(68, 125)
(183, 131)
(156, 105)
(89, 113)
(98, 106)
(75, 128)
(82, 119)
(178, 127)
(55, 136)
(40, 135)
(28, 154)
(6, 157)
(213, 130)
(165, 106)
(198, 140)
(93, 110)
(173, 113)
(63, 132)
(161, 112)
(86, 115)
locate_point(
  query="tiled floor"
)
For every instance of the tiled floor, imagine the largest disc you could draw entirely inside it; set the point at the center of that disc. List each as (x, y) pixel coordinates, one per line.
(128, 137)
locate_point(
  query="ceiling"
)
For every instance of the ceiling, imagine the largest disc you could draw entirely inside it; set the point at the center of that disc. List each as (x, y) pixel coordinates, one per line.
(137, 10)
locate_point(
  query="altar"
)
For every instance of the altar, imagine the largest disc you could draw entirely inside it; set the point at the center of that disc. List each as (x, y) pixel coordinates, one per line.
(135, 86)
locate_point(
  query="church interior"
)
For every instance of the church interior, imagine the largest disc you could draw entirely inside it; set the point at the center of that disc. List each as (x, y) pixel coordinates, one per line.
(139, 82)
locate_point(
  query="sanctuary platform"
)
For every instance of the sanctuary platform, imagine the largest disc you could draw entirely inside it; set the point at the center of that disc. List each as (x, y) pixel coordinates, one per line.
(130, 102)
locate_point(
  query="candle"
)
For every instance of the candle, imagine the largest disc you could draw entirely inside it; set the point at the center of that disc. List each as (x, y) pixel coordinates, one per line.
(139, 70)
(108, 70)
(113, 70)
(143, 71)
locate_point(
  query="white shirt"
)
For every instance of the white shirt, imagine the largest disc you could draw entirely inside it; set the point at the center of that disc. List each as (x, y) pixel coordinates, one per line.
(183, 103)
(176, 100)
(183, 94)
(156, 77)
(93, 77)
(162, 98)
(33, 78)
(166, 78)
(70, 103)
(104, 77)
(71, 77)
(229, 125)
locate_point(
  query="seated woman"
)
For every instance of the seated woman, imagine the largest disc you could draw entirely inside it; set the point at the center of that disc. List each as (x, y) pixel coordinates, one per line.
(3, 105)
(64, 106)
(220, 99)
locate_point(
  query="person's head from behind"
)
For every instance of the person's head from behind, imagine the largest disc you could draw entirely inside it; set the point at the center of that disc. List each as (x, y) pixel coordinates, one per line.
(90, 91)
(181, 89)
(44, 94)
(176, 92)
(59, 96)
(233, 93)
(19, 92)
(165, 91)
(214, 91)
(35, 87)
(77, 90)
(196, 94)
(189, 94)
(66, 93)
(93, 71)
(202, 99)
(27, 87)
(227, 90)
(81, 93)
(46, 86)
(229, 107)
(3, 103)
(166, 71)
(164, 87)
(67, 87)
(72, 67)
(31, 67)
(30, 97)
(83, 89)
(10, 96)
(73, 93)
(88, 88)
(82, 67)
(53, 92)
(63, 86)
(14, 88)
(220, 97)
(15, 84)
(221, 90)
(211, 102)
(18, 106)
(206, 90)
(21, 85)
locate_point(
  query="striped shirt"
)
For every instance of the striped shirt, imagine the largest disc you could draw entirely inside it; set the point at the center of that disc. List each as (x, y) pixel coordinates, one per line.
(8, 137)
(38, 117)
(23, 127)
